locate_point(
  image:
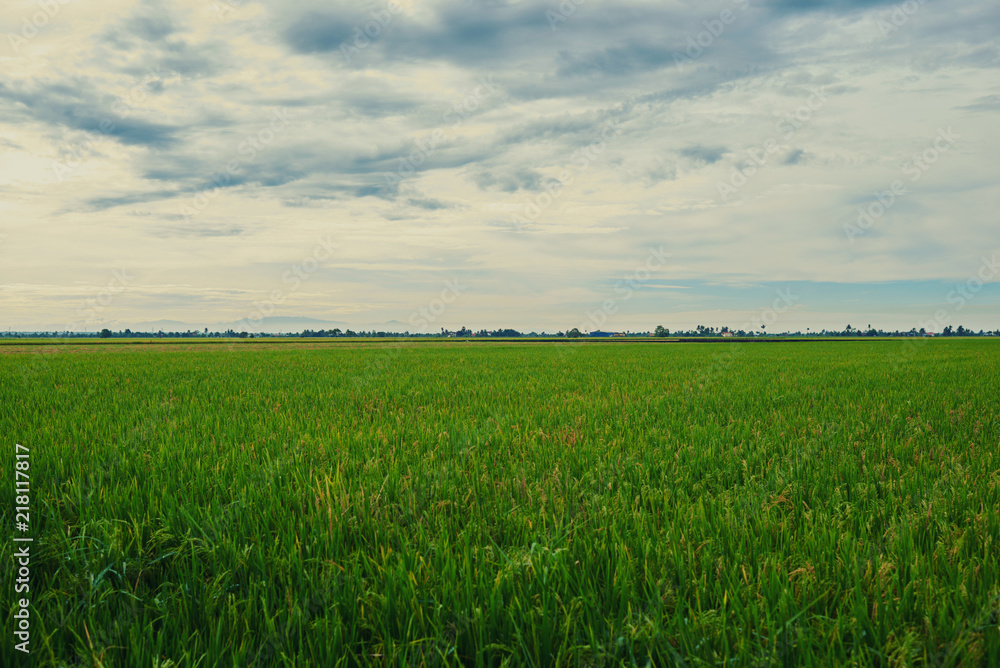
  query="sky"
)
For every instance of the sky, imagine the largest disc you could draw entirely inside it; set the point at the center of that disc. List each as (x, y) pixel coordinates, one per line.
(410, 165)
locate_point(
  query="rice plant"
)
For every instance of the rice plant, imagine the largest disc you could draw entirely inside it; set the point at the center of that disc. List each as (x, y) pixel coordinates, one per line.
(508, 504)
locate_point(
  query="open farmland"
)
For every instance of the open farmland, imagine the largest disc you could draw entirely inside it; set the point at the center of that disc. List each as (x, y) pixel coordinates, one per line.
(492, 504)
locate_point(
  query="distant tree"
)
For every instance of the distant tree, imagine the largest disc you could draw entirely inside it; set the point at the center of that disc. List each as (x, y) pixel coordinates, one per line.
(105, 333)
(574, 333)
(661, 331)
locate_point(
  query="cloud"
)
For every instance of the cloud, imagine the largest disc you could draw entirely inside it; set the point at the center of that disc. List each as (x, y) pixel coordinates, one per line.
(704, 154)
(617, 60)
(793, 157)
(319, 32)
(102, 203)
(150, 21)
(984, 103)
(186, 231)
(72, 105)
(839, 6)
(151, 38)
(510, 181)
(429, 204)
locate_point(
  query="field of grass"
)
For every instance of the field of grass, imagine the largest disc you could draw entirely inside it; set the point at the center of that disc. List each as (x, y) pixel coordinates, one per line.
(507, 504)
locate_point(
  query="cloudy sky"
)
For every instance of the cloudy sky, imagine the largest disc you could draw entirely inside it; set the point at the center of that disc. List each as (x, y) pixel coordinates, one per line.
(538, 165)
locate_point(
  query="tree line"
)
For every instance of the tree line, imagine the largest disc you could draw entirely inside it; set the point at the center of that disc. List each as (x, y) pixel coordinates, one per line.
(508, 333)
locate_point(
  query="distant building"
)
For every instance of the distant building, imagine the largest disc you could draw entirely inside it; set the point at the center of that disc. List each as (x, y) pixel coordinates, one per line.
(600, 333)
(728, 334)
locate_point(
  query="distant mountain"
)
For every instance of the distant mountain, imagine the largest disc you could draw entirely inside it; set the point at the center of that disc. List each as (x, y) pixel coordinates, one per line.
(163, 325)
(270, 325)
(280, 320)
(276, 324)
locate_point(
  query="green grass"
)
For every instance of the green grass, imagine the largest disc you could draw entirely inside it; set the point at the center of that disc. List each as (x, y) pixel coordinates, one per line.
(543, 504)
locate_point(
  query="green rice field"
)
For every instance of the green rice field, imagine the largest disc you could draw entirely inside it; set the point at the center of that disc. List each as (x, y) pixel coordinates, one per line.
(505, 504)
